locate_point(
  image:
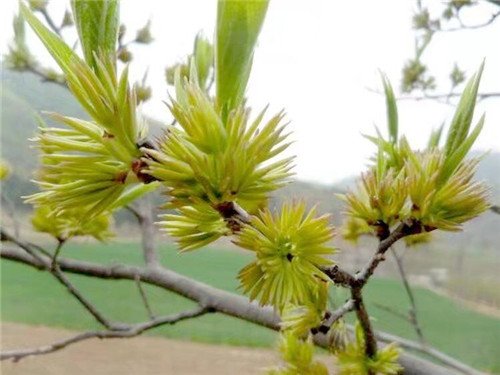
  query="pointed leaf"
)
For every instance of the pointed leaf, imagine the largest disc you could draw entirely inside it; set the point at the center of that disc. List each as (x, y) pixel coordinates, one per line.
(238, 26)
(392, 110)
(97, 23)
(62, 53)
(460, 124)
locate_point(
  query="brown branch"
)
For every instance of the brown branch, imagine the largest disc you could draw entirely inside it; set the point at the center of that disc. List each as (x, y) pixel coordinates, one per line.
(427, 350)
(52, 267)
(333, 316)
(364, 321)
(480, 96)
(148, 232)
(462, 26)
(50, 22)
(133, 330)
(392, 311)
(144, 297)
(413, 318)
(404, 229)
(219, 300)
(495, 209)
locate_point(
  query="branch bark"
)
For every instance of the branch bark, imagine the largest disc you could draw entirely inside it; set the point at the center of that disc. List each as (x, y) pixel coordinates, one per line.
(216, 299)
(133, 330)
(413, 315)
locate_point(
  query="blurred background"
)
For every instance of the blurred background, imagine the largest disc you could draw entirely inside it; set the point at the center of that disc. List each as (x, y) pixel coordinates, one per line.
(320, 61)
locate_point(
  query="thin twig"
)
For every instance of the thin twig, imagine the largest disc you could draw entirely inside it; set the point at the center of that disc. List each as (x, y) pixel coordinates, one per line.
(144, 297)
(60, 244)
(392, 311)
(50, 22)
(463, 26)
(222, 301)
(413, 318)
(333, 316)
(59, 275)
(133, 330)
(10, 209)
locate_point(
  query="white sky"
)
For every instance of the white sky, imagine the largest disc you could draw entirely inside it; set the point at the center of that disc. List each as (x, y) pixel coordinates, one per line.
(316, 59)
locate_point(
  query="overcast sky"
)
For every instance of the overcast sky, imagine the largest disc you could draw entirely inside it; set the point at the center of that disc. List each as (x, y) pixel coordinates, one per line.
(317, 59)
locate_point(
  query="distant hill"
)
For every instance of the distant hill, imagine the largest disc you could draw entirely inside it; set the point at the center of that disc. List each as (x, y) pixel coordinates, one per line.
(23, 94)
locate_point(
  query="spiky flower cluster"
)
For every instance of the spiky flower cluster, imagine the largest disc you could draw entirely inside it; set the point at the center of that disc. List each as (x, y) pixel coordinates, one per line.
(433, 187)
(289, 246)
(440, 202)
(88, 164)
(70, 224)
(380, 197)
(352, 360)
(301, 319)
(209, 161)
(298, 357)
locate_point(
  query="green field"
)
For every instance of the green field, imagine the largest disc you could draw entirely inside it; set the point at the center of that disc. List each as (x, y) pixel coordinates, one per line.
(33, 297)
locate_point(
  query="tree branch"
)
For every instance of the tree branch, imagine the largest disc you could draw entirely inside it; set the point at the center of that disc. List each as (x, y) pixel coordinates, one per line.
(413, 319)
(50, 22)
(148, 232)
(51, 266)
(144, 297)
(462, 26)
(133, 330)
(427, 350)
(219, 300)
(333, 316)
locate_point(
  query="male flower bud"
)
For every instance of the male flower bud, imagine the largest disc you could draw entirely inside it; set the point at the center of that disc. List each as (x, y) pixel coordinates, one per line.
(290, 247)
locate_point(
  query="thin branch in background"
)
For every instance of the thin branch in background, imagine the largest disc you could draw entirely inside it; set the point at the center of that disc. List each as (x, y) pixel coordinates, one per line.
(495, 209)
(391, 311)
(413, 318)
(480, 96)
(60, 244)
(333, 316)
(11, 211)
(133, 330)
(134, 212)
(55, 271)
(463, 26)
(429, 351)
(441, 98)
(50, 22)
(144, 297)
(221, 301)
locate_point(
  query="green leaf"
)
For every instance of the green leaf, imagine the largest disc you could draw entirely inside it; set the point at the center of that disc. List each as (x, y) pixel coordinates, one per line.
(97, 23)
(460, 125)
(392, 110)
(133, 193)
(459, 154)
(435, 138)
(60, 51)
(238, 26)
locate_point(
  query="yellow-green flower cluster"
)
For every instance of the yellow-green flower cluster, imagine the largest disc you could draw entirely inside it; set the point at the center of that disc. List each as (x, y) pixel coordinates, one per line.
(444, 203)
(352, 360)
(290, 246)
(353, 228)
(433, 187)
(379, 197)
(87, 165)
(70, 224)
(300, 319)
(208, 162)
(298, 357)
